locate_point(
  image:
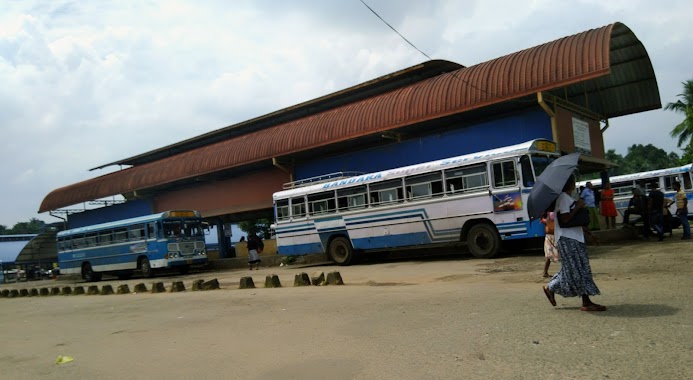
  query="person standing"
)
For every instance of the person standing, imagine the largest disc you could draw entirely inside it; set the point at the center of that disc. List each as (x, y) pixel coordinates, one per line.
(587, 195)
(608, 207)
(253, 253)
(682, 210)
(656, 206)
(550, 249)
(575, 276)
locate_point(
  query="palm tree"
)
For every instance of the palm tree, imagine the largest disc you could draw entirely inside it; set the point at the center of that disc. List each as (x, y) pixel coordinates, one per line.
(683, 131)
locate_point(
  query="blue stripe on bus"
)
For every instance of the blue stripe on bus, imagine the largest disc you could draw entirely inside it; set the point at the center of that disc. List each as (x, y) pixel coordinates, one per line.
(392, 241)
(299, 249)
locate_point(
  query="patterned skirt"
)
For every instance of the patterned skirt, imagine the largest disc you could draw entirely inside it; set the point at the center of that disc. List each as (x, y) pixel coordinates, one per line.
(575, 277)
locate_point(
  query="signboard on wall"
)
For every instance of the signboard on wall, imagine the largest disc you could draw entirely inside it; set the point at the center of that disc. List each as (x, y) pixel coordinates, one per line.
(581, 136)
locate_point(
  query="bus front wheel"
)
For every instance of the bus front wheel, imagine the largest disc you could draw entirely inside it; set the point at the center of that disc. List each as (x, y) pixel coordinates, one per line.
(146, 267)
(88, 273)
(483, 241)
(341, 251)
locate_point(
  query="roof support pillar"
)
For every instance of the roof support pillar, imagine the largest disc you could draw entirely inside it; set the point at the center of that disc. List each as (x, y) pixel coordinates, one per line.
(552, 115)
(290, 172)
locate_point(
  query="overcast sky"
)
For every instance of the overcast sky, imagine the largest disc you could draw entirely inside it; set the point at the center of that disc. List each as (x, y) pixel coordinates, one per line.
(83, 83)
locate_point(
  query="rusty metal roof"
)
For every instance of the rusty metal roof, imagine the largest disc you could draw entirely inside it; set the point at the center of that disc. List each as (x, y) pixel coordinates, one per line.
(606, 69)
(361, 91)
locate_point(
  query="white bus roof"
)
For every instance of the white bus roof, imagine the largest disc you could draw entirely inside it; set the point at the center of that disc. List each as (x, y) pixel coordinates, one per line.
(477, 157)
(642, 175)
(118, 223)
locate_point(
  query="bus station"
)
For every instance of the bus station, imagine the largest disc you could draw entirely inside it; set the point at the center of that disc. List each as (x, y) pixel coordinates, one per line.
(564, 91)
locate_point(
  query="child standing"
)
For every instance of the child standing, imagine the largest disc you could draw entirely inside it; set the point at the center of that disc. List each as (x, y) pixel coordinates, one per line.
(550, 249)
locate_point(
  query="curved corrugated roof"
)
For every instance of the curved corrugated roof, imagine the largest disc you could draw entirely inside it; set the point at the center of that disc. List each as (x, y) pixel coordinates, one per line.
(610, 66)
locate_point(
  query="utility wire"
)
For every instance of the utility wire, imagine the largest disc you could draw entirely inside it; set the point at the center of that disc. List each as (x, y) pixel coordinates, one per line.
(426, 55)
(395, 30)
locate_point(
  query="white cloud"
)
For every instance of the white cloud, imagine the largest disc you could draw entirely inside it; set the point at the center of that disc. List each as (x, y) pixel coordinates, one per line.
(85, 83)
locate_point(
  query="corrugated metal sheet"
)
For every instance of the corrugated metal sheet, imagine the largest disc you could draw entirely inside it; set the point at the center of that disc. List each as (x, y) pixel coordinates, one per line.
(584, 59)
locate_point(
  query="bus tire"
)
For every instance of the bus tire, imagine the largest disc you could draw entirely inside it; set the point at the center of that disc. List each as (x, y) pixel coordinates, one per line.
(483, 241)
(341, 251)
(146, 268)
(184, 269)
(88, 273)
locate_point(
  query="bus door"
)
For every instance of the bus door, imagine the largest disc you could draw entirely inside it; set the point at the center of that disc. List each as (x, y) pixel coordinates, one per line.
(505, 192)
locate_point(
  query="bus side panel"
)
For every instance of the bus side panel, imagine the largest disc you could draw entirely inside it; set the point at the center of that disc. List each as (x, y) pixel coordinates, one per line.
(298, 239)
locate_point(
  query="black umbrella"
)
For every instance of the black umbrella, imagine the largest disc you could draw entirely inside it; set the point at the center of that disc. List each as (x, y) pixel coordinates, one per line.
(549, 185)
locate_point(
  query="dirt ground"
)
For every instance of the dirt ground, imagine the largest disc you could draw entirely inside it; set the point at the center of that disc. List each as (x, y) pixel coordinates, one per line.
(450, 317)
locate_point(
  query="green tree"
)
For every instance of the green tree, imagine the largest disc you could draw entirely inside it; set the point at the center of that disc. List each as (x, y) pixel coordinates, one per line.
(3, 230)
(617, 159)
(33, 226)
(684, 131)
(642, 158)
(260, 227)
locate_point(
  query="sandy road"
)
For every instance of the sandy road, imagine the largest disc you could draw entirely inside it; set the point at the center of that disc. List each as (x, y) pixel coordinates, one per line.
(433, 318)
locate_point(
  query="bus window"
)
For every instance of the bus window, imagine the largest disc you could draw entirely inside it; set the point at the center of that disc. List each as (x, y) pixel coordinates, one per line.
(90, 239)
(622, 189)
(466, 179)
(687, 181)
(298, 207)
(386, 192)
(527, 174)
(136, 232)
(424, 186)
(120, 234)
(105, 237)
(321, 203)
(504, 174)
(151, 230)
(352, 198)
(669, 182)
(282, 209)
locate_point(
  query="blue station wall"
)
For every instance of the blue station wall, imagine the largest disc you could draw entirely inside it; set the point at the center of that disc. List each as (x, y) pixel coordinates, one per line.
(509, 130)
(129, 209)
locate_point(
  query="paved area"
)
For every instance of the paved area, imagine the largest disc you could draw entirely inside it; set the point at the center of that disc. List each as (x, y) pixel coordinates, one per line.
(444, 317)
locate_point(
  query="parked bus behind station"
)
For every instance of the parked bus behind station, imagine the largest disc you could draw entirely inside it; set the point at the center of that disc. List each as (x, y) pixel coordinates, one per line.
(476, 198)
(623, 186)
(171, 239)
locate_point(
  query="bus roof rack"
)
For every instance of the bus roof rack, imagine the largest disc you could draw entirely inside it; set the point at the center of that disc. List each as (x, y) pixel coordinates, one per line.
(320, 179)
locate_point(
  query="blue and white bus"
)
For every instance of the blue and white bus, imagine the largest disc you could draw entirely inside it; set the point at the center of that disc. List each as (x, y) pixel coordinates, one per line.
(171, 239)
(623, 186)
(477, 198)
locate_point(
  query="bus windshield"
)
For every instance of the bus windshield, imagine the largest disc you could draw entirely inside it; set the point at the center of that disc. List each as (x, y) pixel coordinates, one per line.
(540, 162)
(182, 228)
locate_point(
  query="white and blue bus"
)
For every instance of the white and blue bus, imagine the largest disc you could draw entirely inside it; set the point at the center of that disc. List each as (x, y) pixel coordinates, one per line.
(171, 239)
(476, 198)
(623, 186)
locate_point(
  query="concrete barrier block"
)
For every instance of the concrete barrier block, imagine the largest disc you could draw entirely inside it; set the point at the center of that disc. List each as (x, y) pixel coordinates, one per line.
(210, 285)
(177, 286)
(13, 293)
(318, 278)
(272, 281)
(334, 278)
(246, 283)
(158, 287)
(123, 289)
(4, 292)
(302, 279)
(140, 288)
(66, 291)
(106, 290)
(78, 290)
(33, 292)
(44, 292)
(55, 291)
(92, 290)
(24, 292)
(197, 285)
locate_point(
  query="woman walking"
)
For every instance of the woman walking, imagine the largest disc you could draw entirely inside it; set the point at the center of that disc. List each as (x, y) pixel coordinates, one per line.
(575, 276)
(550, 249)
(608, 207)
